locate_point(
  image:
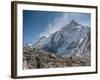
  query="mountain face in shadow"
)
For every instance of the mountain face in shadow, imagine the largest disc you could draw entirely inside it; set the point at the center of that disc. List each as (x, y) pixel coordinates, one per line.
(71, 40)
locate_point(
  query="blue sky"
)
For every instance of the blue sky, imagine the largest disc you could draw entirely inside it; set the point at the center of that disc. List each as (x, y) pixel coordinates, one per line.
(44, 23)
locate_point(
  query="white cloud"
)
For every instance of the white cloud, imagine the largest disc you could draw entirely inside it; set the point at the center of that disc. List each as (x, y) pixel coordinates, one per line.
(58, 22)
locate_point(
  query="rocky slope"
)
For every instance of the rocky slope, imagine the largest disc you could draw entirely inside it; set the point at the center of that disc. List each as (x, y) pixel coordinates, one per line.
(36, 58)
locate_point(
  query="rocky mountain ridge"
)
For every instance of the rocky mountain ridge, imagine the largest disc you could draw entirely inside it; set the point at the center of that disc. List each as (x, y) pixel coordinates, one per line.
(72, 40)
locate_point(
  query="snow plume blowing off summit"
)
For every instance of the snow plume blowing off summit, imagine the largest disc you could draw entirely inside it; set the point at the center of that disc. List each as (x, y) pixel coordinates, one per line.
(62, 19)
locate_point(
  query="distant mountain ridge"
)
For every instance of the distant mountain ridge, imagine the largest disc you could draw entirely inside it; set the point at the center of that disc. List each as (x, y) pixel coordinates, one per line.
(71, 40)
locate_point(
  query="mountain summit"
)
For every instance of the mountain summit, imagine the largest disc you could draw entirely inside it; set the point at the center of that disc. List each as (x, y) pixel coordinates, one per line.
(73, 23)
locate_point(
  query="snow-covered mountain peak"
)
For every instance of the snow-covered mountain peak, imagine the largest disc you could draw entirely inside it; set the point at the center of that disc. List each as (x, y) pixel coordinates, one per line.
(72, 39)
(42, 37)
(73, 23)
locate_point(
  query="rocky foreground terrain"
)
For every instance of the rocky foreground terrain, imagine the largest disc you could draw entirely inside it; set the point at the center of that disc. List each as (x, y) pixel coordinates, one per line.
(36, 58)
